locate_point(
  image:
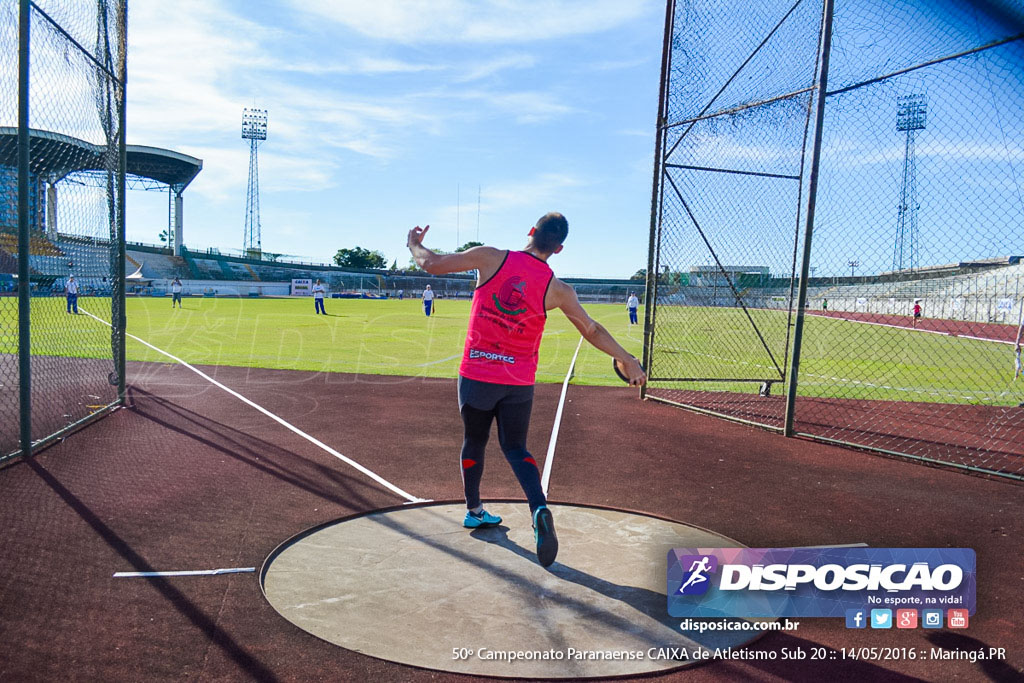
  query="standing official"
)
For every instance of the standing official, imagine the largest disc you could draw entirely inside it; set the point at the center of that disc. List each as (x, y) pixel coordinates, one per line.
(632, 303)
(318, 298)
(71, 292)
(176, 292)
(428, 299)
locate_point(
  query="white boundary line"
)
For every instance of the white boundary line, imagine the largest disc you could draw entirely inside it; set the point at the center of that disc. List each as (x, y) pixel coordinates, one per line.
(191, 572)
(275, 418)
(435, 362)
(912, 329)
(550, 457)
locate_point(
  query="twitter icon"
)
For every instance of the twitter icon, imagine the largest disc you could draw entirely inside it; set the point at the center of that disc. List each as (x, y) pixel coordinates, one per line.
(881, 618)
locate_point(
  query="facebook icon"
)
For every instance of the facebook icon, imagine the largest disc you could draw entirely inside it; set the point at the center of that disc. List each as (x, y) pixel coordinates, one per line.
(856, 618)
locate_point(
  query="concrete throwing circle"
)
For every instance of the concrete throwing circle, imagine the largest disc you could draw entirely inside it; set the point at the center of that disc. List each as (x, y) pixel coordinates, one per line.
(413, 586)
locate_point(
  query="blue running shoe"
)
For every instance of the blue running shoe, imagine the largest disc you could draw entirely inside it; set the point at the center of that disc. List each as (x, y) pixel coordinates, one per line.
(482, 521)
(544, 533)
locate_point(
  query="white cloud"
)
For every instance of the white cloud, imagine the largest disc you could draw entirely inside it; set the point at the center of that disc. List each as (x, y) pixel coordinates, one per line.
(530, 193)
(361, 65)
(521, 107)
(473, 21)
(489, 68)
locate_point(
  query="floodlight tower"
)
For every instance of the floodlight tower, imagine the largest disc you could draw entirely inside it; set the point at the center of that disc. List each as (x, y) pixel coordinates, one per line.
(911, 116)
(254, 129)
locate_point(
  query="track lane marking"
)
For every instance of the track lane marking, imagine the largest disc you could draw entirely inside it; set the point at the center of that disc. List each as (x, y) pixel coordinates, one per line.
(550, 457)
(313, 440)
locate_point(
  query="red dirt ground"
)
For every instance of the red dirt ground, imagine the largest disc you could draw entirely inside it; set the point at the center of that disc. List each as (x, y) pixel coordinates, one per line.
(187, 477)
(959, 328)
(986, 437)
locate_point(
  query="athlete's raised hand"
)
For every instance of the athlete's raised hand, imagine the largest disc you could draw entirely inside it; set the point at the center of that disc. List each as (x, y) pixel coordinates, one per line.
(416, 236)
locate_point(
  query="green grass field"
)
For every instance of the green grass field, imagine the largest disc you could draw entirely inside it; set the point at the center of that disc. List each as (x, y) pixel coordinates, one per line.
(840, 358)
(358, 336)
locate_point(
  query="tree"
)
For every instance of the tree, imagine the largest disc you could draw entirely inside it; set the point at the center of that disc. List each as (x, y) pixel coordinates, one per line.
(358, 257)
(666, 277)
(164, 236)
(468, 245)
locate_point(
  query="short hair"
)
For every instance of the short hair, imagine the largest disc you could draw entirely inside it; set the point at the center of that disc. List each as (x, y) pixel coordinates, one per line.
(552, 229)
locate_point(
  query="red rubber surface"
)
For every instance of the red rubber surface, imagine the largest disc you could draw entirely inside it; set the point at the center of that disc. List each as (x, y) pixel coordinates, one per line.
(188, 477)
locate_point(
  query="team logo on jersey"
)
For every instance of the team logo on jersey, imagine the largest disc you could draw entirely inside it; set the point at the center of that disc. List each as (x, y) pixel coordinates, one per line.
(510, 296)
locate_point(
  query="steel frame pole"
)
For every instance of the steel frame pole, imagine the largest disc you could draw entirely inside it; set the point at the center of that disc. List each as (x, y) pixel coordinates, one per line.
(650, 287)
(24, 291)
(812, 192)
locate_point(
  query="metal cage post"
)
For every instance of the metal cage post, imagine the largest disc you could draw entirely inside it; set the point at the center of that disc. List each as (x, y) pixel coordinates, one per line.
(812, 191)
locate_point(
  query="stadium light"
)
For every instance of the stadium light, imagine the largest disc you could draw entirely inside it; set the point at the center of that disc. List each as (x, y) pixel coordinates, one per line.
(853, 267)
(911, 112)
(254, 124)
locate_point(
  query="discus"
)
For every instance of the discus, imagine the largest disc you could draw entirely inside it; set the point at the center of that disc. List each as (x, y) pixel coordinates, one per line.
(615, 366)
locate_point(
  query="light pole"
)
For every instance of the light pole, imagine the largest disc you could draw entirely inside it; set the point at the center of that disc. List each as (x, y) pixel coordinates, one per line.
(853, 267)
(911, 116)
(254, 129)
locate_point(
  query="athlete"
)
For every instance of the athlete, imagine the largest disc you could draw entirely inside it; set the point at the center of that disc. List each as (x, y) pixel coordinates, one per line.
(515, 289)
(917, 311)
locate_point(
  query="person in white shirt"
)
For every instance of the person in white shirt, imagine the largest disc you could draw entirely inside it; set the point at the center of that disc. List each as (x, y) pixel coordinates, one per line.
(318, 298)
(176, 292)
(632, 303)
(71, 291)
(428, 300)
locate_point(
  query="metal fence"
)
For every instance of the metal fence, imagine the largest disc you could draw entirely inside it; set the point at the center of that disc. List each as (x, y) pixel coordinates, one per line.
(62, 163)
(836, 223)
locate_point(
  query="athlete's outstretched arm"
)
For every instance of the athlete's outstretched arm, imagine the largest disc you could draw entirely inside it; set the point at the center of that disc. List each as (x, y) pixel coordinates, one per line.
(477, 258)
(563, 297)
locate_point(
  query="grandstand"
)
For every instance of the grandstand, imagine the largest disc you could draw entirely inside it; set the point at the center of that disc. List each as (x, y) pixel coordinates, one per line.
(211, 272)
(155, 262)
(988, 296)
(977, 291)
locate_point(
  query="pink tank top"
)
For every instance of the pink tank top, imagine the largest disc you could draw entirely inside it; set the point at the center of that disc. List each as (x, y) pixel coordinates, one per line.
(506, 322)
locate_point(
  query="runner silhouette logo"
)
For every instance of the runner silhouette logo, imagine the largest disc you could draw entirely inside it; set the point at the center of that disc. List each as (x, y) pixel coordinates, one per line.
(696, 580)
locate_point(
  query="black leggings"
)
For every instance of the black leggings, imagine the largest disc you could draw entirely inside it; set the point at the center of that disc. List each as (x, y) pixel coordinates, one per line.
(513, 425)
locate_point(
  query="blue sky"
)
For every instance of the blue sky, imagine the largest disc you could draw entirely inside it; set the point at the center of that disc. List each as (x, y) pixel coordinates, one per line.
(385, 115)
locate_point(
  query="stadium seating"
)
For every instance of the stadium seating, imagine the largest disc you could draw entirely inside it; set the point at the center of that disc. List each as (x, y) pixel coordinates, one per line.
(156, 265)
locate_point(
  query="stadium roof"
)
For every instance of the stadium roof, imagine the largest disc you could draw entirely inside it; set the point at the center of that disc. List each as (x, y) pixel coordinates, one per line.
(62, 154)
